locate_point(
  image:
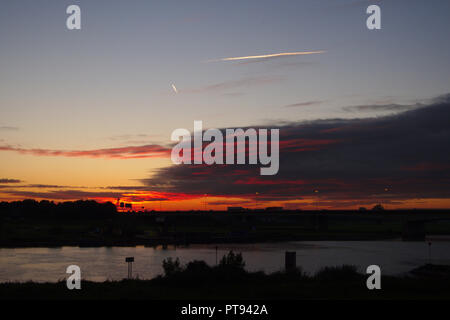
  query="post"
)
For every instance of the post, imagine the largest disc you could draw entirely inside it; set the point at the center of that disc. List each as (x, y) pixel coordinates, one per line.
(290, 261)
(130, 261)
(216, 255)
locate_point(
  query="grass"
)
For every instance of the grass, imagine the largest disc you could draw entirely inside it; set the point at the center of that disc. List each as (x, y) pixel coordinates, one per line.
(199, 281)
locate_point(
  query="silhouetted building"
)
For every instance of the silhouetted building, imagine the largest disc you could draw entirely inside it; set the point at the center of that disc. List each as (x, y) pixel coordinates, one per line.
(378, 208)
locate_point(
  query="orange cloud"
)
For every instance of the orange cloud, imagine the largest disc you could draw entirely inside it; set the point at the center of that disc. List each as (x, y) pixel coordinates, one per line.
(129, 152)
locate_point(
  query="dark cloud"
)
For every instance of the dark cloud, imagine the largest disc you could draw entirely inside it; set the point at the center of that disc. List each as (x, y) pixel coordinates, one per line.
(405, 154)
(230, 203)
(8, 128)
(125, 193)
(128, 188)
(144, 198)
(46, 186)
(39, 186)
(10, 180)
(63, 194)
(303, 104)
(381, 107)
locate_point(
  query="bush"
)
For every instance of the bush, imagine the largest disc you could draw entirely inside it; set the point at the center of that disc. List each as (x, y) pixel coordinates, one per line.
(196, 272)
(345, 272)
(171, 266)
(232, 260)
(197, 267)
(231, 268)
(294, 274)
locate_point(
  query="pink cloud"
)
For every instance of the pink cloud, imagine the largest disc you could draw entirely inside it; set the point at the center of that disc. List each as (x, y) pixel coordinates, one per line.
(128, 152)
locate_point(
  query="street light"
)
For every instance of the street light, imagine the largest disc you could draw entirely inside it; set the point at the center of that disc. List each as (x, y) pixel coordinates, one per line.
(386, 189)
(317, 199)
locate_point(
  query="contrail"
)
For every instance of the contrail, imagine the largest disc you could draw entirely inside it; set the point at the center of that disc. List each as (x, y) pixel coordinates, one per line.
(174, 88)
(273, 55)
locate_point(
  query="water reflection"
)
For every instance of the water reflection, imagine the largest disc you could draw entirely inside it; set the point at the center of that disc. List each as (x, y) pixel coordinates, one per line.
(108, 263)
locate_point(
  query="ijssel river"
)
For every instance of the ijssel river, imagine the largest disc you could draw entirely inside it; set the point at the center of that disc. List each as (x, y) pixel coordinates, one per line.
(108, 263)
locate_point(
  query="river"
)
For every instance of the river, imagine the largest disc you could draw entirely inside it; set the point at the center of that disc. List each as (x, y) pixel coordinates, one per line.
(108, 263)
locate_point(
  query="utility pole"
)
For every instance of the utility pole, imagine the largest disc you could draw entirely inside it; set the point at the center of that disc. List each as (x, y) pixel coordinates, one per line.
(316, 191)
(429, 252)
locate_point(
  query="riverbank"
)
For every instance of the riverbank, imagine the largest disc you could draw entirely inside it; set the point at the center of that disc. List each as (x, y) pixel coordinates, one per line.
(177, 242)
(200, 282)
(184, 228)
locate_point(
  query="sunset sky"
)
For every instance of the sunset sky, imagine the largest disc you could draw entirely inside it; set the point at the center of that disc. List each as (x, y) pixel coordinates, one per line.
(364, 116)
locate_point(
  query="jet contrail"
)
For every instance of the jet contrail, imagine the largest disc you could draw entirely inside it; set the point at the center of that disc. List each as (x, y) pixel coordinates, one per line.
(273, 55)
(174, 88)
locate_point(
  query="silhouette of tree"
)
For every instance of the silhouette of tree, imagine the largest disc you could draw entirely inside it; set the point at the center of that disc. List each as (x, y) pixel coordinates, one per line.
(232, 260)
(30, 208)
(171, 266)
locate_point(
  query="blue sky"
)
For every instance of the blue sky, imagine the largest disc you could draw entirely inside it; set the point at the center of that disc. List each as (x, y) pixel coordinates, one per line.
(121, 64)
(109, 84)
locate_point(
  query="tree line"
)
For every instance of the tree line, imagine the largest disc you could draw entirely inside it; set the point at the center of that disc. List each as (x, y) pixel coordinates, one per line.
(48, 209)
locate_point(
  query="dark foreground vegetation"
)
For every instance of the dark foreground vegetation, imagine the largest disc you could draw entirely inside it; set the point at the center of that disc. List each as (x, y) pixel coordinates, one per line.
(229, 280)
(31, 223)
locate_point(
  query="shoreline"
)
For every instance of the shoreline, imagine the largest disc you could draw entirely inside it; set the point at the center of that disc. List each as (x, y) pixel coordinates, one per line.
(194, 283)
(167, 242)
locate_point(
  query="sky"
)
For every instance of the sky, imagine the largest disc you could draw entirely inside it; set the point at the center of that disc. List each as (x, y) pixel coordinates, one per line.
(88, 114)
